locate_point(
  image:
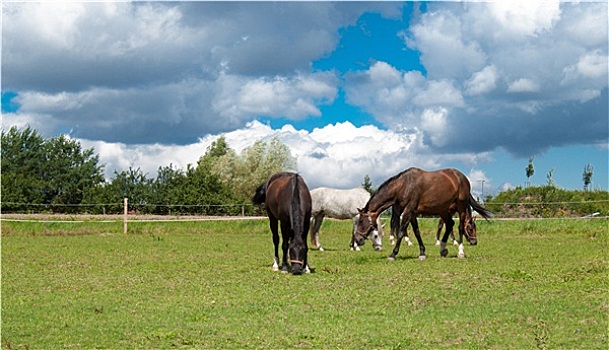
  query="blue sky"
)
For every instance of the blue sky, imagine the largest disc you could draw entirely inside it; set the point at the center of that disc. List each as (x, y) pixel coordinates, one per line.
(352, 88)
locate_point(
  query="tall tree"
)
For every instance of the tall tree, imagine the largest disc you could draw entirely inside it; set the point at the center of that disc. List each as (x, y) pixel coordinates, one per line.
(530, 170)
(367, 184)
(550, 178)
(587, 175)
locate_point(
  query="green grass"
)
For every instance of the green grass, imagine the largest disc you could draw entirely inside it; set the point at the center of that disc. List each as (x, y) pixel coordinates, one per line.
(528, 284)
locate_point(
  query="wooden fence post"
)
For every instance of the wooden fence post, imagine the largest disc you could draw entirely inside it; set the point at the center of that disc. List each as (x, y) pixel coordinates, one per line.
(126, 202)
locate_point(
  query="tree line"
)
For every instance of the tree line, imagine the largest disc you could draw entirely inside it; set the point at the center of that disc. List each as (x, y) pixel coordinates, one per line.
(57, 175)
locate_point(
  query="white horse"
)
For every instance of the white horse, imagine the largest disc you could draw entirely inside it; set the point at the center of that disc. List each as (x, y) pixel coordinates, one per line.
(342, 205)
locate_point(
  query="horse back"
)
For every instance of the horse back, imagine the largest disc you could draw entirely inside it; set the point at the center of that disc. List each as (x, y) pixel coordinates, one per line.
(435, 191)
(280, 195)
(338, 204)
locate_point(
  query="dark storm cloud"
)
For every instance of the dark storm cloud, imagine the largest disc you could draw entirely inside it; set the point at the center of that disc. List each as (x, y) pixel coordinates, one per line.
(168, 72)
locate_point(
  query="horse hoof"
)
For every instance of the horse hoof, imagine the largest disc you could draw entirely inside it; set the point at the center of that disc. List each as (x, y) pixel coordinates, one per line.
(321, 249)
(391, 258)
(461, 256)
(444, 253)
(410, 244)
(455, 243)
(437, 242)
(422, 257)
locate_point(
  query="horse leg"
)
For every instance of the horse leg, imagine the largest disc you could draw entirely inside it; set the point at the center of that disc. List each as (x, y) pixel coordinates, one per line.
(450, 223)
(417, 234)
(317, 220)
(286, 235)
(440, 226)
(274, 229)
(395, 223)
(462, 218)
(401, 234)
(353, 245)
(305, 231)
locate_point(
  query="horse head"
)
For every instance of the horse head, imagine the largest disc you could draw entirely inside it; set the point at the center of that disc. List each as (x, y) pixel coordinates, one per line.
(298, 256)
(366, 225)
(470, 231)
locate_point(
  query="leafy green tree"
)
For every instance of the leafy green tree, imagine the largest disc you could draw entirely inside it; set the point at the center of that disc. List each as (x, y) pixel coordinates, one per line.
(69, 170)
(587, 175)
(258, 162)
(134, 185)
(53, 172)
(169, 188)
(21, 154)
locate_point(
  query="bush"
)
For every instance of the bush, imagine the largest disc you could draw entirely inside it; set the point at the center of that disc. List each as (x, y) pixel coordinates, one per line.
(549, 201)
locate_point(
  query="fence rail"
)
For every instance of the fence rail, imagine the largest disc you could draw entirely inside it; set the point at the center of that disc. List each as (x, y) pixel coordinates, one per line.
(235, 209)
(509, 210)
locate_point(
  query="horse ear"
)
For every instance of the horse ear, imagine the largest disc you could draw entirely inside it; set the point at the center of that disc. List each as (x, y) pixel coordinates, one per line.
(360, 210)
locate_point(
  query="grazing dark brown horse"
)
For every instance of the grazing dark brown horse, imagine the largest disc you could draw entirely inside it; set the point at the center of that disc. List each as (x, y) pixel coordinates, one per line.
(287, 201)
(420, 192)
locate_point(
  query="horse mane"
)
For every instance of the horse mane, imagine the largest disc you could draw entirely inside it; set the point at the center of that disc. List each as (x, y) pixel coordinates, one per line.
(295, 214)
(386, 183)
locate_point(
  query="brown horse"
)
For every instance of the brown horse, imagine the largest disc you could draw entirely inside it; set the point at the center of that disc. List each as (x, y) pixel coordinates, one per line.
(419, 192)
(287, 201)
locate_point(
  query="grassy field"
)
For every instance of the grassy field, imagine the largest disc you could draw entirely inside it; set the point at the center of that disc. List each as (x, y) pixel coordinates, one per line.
(526, 285)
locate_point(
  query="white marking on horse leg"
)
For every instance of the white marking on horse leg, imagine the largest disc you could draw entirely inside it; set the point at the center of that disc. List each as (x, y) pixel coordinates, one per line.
(422, 257)
(455, 242)
(321, 249)
(461, 254)
(407, 240)
(437, 242)
(392, 239)
(307, 269)
(275, 265)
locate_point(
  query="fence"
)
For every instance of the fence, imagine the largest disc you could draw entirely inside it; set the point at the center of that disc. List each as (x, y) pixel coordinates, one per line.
(235, 209)
(501, 210)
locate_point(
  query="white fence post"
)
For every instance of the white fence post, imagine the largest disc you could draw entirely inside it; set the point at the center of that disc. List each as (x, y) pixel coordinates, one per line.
(126, 202)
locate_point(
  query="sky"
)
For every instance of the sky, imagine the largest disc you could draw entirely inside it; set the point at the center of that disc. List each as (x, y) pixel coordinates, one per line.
(353, 88)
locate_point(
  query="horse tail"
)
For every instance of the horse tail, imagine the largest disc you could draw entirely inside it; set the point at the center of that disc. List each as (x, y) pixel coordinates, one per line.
(487, 214)
(260, 194)
(295, 208)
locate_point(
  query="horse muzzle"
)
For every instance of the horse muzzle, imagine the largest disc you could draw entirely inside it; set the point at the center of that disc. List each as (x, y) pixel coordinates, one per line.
(473, 241)
(297, 267)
